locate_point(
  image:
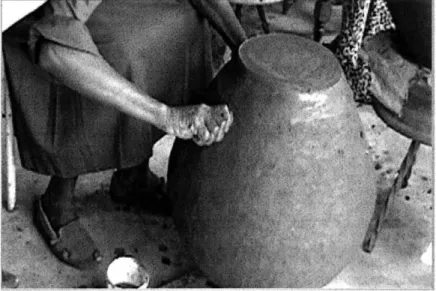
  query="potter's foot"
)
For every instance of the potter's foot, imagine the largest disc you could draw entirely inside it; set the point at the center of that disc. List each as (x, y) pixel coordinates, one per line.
(140, 186)
(66, 237)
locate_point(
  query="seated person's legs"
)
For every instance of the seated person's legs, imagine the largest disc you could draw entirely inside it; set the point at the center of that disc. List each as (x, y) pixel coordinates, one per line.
(64, 135)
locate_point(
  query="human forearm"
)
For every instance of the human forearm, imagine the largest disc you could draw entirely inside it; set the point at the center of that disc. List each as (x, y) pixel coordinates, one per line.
(220, 15)
(94, 78)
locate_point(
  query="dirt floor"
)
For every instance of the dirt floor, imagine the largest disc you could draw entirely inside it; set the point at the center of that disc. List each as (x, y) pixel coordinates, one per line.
(394, 263)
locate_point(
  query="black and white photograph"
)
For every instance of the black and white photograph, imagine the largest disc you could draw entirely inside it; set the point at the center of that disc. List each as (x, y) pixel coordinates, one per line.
(217, 144)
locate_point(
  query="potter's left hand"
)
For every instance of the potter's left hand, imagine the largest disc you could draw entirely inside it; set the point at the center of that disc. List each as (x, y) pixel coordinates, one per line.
(204, 124)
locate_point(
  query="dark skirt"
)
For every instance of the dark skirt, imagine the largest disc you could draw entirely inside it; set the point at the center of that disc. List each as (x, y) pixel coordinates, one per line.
(161, 46)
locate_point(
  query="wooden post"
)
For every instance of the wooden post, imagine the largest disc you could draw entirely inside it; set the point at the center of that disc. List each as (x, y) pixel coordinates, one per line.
(9, 137)
(322, 15)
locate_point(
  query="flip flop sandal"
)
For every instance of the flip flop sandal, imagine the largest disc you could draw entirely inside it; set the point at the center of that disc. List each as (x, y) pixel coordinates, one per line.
(72, 244)
(134, 191)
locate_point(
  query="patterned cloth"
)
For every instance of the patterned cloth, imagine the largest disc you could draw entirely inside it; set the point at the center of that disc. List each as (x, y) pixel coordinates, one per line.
(361, 19)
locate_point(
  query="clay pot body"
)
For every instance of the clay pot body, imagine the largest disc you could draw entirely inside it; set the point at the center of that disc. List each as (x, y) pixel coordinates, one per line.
(285, 199)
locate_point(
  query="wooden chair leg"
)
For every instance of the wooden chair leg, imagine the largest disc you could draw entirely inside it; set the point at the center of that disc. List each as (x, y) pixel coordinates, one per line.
(262, 16)
(322, 15)
(238, 11)
(412, 159)
(384, 199)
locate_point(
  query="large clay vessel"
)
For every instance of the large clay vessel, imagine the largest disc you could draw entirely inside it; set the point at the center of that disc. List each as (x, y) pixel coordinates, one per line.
(285, 199)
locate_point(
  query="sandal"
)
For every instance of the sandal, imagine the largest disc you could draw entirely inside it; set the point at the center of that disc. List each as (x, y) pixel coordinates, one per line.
(71, 244)
(129, 187)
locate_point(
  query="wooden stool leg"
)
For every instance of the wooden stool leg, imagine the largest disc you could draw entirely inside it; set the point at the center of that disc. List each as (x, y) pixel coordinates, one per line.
(412, 159)
(287, 5)
(262, 16)
(322, 14)
(383, 199)
(238, 12)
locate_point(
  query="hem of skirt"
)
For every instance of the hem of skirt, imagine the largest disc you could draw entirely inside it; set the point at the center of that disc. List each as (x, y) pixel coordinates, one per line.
(54, 172)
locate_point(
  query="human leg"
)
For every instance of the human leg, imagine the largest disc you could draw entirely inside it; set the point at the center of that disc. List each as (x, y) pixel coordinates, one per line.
(57, 201)
(56, 219)
(140, 186)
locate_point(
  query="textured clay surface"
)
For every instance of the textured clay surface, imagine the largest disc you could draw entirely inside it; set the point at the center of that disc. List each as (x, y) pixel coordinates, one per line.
(284, 200)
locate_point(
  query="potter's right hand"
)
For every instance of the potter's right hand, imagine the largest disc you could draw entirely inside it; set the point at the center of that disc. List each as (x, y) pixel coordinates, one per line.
(204, 124)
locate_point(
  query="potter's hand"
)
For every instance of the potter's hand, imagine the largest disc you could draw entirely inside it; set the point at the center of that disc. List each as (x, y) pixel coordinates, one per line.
(204, 124)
